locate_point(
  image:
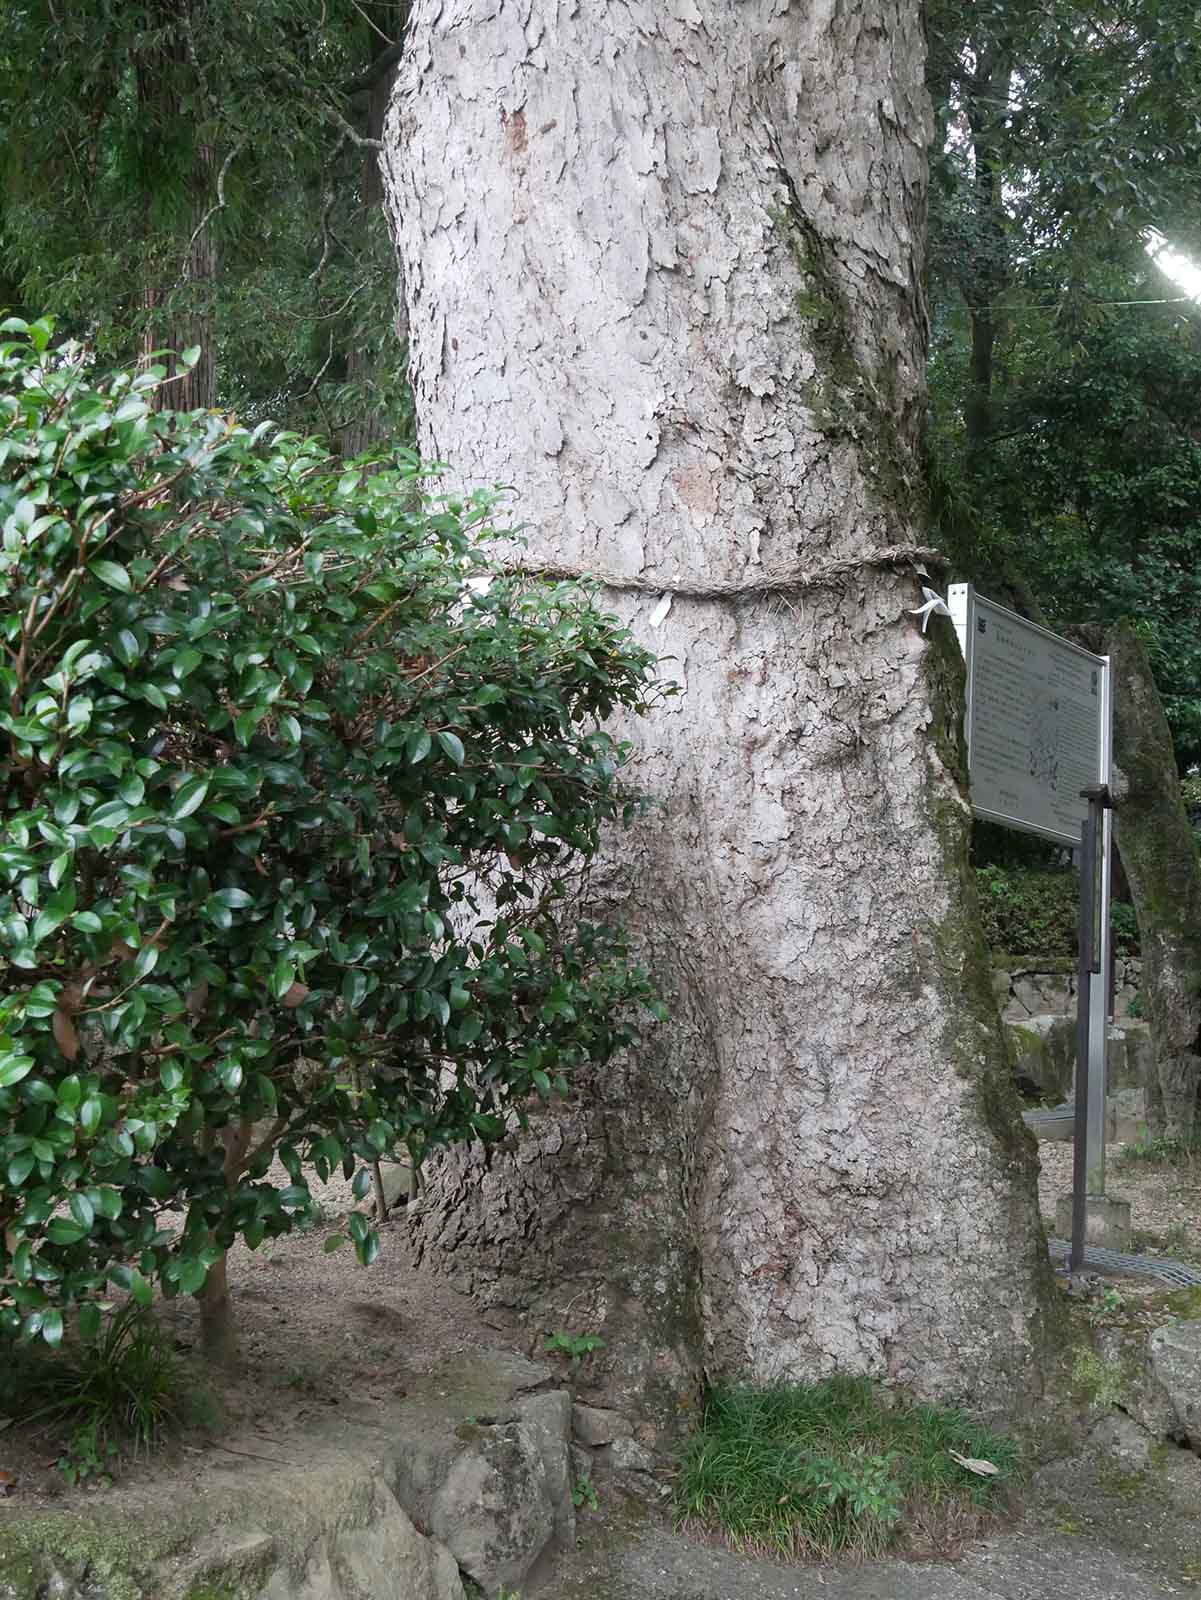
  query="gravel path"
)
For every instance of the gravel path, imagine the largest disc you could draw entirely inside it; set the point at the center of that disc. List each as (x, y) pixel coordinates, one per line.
(1165, 1201)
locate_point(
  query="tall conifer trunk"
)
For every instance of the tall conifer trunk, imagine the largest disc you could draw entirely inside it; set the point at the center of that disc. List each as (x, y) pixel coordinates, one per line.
(662, 262)
(179, 285)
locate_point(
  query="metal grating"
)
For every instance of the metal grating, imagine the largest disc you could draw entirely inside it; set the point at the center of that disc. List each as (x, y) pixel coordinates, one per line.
(1102, 1260)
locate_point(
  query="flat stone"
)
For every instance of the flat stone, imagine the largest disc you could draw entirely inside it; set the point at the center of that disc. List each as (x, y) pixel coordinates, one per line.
(627, 1455)
(1106, 1221)
(598, 1425)
(1121, 1437)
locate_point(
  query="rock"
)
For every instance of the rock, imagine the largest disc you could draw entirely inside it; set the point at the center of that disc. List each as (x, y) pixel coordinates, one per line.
(1120, 1436)
(548, 1419)
(496, 1488)
(362, 1563)
(367, 1560)
(60, 1585)
(1174, 1354)
(495, 1509)
(317, 1582)
(1044, 1048)
(477, 1466)
(1106, 1220)
(1025, 998)
(1040, 994)
(597, 1425)
(396, 1181)
(1140, 1055)
(232, 1555)
(627, 1455)
(1128, 1114)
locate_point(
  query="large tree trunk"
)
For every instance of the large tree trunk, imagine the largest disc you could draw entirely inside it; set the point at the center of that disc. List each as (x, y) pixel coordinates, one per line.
(1159, 852)
(662, 262)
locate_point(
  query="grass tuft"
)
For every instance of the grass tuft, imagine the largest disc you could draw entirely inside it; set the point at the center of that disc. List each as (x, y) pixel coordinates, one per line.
(839, 1467)
(120, 1391)
(1160, 1150)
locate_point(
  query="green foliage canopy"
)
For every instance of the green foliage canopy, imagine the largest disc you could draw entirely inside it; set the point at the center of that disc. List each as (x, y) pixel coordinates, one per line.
(296, 791)
(128, 131)
(1063, 440)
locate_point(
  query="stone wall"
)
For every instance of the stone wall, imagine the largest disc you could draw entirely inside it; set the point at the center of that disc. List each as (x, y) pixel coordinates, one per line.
(1038, 1005)
(1047, 987)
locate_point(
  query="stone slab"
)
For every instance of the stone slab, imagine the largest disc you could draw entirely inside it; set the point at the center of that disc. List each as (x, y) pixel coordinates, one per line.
(1106, 1221)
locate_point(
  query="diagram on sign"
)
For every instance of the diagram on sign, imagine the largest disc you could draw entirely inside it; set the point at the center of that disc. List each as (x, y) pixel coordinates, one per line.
(1044, 741)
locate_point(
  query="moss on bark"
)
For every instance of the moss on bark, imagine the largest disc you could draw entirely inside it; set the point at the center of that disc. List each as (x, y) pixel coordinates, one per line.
(974, 1037)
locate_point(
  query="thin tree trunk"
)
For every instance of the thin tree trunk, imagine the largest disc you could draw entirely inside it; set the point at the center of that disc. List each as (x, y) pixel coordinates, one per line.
(218, 1331)
(1159, 852)
(371, 425)
(179, 283)
(986, 267)
(662, 266)
(179, 314)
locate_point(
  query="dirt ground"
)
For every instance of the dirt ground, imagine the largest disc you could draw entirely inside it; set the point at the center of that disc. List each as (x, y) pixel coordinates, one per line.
(319, 1332)
(316, 1331)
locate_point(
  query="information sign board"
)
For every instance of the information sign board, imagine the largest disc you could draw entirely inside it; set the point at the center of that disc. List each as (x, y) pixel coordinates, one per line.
(1037, 719)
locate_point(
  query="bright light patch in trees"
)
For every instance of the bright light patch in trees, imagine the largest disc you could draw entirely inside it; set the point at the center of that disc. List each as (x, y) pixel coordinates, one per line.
(1180, 268)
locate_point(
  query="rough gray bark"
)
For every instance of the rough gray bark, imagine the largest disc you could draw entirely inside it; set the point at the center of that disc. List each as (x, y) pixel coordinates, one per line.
(662, 262)
(1159, 852)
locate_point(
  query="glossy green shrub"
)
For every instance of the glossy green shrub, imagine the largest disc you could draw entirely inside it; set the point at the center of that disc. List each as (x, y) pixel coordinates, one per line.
(292, 816)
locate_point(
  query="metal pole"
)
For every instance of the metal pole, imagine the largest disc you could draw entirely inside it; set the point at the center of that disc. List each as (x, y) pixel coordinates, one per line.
(1098, 1045)
(1098, 1075)
(1087, 964)
(1084, 970)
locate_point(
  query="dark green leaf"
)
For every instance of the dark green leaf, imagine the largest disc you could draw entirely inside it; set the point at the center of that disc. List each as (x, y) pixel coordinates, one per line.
(111, 573)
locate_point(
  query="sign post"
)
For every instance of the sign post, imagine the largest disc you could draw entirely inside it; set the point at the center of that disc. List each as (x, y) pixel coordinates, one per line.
(1039, 757)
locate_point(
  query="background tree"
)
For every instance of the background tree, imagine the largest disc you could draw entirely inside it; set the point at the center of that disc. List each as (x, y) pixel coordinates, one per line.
(197, 172)
(1063, 450)
(295, 808)
(690, 332)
